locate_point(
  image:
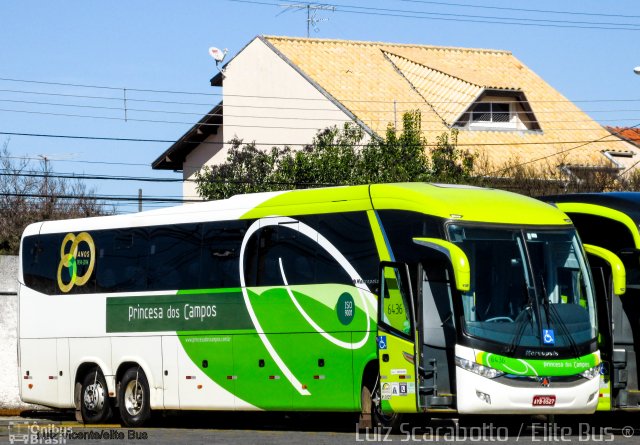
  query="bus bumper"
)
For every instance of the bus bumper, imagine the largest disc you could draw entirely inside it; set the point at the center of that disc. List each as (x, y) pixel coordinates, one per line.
(480, 395)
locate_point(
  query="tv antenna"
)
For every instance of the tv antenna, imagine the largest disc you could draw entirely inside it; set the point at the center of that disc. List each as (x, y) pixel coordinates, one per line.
(312, 13)
(218, 56)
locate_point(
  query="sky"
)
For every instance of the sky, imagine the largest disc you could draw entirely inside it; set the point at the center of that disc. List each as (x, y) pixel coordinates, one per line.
(67, 66)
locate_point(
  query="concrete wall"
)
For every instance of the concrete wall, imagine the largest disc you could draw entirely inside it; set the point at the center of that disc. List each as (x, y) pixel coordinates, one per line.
(9, 393)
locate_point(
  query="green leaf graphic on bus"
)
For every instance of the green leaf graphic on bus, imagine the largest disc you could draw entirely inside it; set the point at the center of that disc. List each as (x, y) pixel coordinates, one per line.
(283, 279)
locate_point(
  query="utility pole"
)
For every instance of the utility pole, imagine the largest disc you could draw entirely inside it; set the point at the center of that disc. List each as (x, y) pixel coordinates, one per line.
(47, 196)
(312, 10)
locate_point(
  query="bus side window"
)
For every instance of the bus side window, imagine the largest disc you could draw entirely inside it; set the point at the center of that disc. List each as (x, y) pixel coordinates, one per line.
(283, 244)
(351, 234)
(122, 260)
(39, 263)
(221, 252)
(173, 253)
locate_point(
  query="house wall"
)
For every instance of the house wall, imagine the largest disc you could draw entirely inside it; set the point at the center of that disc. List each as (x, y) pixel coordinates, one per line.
(267, 101)
(206, 153)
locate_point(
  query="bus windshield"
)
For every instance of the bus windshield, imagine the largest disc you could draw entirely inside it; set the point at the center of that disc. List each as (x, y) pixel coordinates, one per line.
(529, 288)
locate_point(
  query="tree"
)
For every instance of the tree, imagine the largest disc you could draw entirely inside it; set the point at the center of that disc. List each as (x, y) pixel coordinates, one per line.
(339, 156)
(398, 157)
(30, 193)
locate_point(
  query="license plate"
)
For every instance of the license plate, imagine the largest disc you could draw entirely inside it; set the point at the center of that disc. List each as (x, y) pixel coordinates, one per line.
(544, 401)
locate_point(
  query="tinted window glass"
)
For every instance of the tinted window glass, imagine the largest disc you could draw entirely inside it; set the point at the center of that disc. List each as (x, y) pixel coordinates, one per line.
(285, 253)
(603, 232)
(40, 258)
(304, 260)
(122, 260)
(46, 271)
(611, 235)
(221, 253)
(351, 234)
(174, 257)
(401, 227)
(251, 260)
(207, 255)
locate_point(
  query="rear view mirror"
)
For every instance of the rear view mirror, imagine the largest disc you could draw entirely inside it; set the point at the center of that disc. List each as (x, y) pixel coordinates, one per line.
(618, 272)
(457, 257)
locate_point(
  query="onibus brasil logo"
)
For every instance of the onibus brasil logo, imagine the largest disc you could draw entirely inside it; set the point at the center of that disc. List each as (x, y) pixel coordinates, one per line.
(77, 252)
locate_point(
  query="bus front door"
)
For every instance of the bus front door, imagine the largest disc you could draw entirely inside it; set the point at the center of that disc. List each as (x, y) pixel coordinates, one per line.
(399, 380)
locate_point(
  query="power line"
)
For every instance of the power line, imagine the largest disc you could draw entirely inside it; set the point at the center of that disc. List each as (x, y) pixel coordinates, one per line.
(29, 158)
(517, 19)
(275, 144)
(599, 140)
(55, 175)
(100, 197)
(387, 111)
(542, 11)
(384, 12)
(84, 96)
(98, 138)
(139, 90)
(151, 121)
(277, 127)
(249, 96)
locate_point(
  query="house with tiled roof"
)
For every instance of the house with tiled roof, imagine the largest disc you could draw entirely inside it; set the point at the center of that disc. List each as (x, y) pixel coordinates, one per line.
(282, 90)
(629, 134)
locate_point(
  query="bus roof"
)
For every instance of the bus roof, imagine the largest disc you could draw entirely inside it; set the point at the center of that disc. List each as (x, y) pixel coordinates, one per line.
(624, 202)
(465, 203)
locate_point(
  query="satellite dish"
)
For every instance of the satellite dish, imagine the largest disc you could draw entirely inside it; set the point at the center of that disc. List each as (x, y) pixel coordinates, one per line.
(217, 54)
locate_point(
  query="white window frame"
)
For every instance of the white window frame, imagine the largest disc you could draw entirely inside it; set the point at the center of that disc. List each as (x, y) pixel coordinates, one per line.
(512, 124)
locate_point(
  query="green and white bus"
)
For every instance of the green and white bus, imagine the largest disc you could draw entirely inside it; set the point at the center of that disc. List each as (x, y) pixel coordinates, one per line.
(380, 299)
(608, 224)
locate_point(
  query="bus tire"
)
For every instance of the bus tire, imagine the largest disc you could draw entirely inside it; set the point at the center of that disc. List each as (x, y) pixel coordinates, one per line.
(378, 417)
(134, 398)
(95, 406)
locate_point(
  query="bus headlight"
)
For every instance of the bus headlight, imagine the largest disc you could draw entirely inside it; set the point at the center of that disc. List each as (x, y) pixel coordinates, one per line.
(591, 373)
(476, 368)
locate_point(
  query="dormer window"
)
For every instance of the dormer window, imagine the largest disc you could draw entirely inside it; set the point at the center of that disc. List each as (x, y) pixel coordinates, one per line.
(495, 116)
(499, 111)
(491, 112)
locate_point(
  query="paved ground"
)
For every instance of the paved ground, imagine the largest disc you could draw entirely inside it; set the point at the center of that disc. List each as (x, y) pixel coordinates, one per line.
(315, 429)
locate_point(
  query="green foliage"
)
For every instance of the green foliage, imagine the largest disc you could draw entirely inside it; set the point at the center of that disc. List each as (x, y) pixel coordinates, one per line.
(246, 171)
(398, 157)
(450, 164)
(339, 156)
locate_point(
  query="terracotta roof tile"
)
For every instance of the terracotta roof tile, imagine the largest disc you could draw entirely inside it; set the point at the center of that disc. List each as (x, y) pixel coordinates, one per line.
(629, 134)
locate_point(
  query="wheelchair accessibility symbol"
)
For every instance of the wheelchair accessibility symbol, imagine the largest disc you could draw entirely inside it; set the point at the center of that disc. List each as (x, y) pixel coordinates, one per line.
(548, 337)
(382, 341)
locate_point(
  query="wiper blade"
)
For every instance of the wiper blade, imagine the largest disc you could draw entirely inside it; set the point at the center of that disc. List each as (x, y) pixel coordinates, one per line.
(552, 312)
(521, 325)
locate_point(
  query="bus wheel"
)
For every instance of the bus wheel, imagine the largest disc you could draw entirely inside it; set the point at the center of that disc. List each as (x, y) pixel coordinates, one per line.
(133, 398)
(378, 417)
(94, 398)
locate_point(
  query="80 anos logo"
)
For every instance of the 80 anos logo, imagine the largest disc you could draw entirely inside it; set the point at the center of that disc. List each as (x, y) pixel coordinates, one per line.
(77, 259)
